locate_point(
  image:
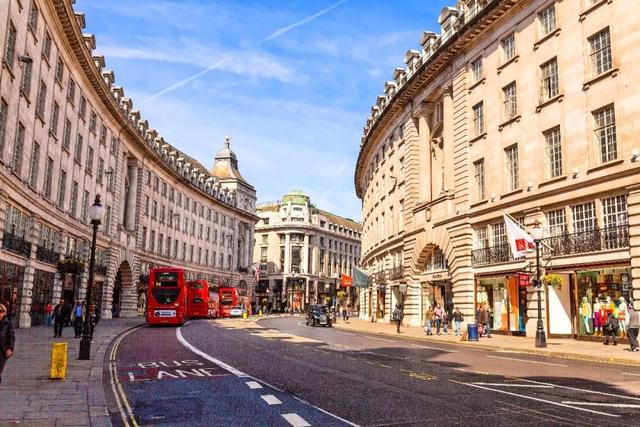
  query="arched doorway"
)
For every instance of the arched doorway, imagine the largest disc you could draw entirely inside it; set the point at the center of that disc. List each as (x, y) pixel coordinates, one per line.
(124, 300)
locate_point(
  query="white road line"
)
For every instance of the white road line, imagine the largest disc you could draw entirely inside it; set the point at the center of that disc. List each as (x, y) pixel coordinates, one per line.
(514, 385)
(271, 399)
(629, 373)
(346, 333)
(581, 389)
(536, 399)
(296, 420)
(253, 385)
(433, 348)
(379, 339)
(528, 361)
(241, 374)
(612, 405)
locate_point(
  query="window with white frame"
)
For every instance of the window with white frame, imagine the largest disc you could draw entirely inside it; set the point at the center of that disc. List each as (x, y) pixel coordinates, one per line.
(584, 217)
(478, 118)
(549, 80)
(557, 222)
(476, 70)
(499, 234)
(614, 211)
(547, 19)
(510, 101)
(511, 164)
(478, 172)
(553, 152)
(605, 133)
(482, 238)
(508, 47)
(600, 52)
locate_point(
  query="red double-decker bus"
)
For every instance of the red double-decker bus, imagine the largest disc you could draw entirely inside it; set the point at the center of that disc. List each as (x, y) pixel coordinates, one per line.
(228, 300)
(198, 298)
(214, 302)
(166, 297)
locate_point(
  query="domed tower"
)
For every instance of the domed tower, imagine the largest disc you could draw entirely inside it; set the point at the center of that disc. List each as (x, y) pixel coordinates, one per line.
(225, 168)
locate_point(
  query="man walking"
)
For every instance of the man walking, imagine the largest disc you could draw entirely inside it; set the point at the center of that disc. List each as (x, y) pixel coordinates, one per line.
(633, 327)
(77, 319)
(458, 317)
(397, 316)
(7, 338)
(61, 314)
(438, 313)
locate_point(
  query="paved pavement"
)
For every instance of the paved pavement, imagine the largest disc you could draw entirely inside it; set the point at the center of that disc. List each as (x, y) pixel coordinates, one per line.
(30, 398)
(556, 347)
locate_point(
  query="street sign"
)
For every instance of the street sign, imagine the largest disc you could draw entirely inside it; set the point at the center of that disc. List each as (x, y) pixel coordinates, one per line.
(523, 279)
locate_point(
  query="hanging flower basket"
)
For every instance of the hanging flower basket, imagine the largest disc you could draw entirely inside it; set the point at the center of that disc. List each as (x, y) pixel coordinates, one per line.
(341, 294)
(552, 280)
(70, 266)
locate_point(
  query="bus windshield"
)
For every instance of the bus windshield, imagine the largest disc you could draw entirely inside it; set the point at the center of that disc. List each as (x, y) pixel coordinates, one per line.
(165, 295)
(226, 298)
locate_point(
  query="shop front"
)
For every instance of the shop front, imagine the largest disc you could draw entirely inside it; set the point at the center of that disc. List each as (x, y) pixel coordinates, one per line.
(42, 295)
(505, 300)
(11, 277)
(381, 294)
(598, 292)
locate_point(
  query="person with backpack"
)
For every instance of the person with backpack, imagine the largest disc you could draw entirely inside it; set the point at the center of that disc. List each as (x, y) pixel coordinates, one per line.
(458, 317)
(611, 329)
(397, 317)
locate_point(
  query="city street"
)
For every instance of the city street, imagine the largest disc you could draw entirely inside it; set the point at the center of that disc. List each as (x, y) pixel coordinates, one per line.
(280, 372)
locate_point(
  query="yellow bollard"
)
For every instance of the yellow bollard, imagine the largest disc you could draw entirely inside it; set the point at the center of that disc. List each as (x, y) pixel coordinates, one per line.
(58, 367)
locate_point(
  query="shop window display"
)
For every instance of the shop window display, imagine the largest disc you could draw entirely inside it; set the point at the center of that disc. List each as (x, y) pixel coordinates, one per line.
(601, 292)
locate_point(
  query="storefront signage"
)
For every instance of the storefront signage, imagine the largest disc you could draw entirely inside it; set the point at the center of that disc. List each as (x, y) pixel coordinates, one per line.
(523, 280)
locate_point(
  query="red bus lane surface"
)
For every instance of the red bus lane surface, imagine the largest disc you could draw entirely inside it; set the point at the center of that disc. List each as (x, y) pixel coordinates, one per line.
(158, 378)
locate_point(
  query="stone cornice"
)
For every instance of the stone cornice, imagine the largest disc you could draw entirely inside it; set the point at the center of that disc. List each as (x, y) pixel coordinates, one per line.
(429, 69)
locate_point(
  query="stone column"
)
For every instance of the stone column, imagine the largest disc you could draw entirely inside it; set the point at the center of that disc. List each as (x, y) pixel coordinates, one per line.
(447, 135)
(26, 293)
(421, 115)
(133, 174)
(633, 203)
(107, 290)
(287, 253)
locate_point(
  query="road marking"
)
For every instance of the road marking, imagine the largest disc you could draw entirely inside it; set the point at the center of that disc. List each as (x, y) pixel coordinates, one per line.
(613, 405)
(379, 339)
(296, 420)
(528, 361)
(124, 408)
(581, 389)
(536, 399)
(471, 371)
(346, 333)
(629, 373)
(271, 399)
(241, 374)
(253, 384)
(514, 385)
(433, 348)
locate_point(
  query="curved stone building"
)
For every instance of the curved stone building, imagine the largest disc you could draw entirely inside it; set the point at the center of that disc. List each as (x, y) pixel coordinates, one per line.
(522, 106)
(69, 132)
(302, 251)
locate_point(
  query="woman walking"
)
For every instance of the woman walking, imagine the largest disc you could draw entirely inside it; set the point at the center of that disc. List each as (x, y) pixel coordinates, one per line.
(428, 321)
(458, 317)
(7, 338)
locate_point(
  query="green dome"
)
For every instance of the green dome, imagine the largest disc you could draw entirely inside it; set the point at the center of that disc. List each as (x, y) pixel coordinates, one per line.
(296, 197)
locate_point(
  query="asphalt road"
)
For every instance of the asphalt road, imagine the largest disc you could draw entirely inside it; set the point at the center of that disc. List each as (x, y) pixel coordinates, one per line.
(363, 379)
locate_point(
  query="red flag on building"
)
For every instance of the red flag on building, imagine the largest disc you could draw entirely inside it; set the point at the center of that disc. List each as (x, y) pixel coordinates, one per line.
(345, 281)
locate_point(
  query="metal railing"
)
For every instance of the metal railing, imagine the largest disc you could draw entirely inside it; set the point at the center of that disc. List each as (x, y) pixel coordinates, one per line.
(396, 273)
(491, 255)
(100, 269)
(50, 256)
(595, 240)
(16, 244)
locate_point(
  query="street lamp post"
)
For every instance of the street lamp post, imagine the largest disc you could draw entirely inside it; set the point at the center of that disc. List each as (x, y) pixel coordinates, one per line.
(96, 213)
(541, 338)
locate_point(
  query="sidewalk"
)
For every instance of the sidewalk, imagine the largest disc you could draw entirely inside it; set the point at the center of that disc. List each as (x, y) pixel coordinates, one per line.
(30, 398)
(556, 347)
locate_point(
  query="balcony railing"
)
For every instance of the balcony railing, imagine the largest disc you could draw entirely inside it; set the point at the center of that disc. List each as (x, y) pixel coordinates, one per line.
(595, 240)
(16, 244)
(50, 256)
(491, 255)
(396, 273)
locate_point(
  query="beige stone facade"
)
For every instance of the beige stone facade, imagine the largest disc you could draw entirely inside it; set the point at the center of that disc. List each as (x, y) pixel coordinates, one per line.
(301, 252)
(527, 107)
(67, 133)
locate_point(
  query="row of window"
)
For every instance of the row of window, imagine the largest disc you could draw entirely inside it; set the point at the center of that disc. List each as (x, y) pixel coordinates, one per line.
(604, 128)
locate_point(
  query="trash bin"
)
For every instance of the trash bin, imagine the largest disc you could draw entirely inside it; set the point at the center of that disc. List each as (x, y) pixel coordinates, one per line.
(472, 332)
(58, 367)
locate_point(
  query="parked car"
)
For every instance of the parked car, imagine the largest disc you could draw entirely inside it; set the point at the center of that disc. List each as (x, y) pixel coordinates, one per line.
(236, 311)
(318, 315)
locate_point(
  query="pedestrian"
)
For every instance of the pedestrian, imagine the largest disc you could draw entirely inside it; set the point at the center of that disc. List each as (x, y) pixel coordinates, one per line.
(77, 318)
(397, 316)
(611, 327)
(445, 323)
(428, 321)
(458, 317)
(61, 314)
(344, 314)
(438, 316)
(7, 338)
(632, 320)
(483, 319)
(48, 310)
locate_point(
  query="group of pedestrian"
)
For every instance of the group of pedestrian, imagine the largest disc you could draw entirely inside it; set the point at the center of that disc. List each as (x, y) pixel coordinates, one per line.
(631, 323)
(441, 319)
(483, 317)
(64, 314)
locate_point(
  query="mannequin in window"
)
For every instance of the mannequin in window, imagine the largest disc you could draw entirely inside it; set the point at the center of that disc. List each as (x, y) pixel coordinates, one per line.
(585, 314)
(621, 307)
(599, 316)
(608, 305)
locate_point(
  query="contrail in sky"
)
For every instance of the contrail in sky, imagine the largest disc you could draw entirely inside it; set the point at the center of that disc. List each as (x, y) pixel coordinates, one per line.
(217, 64)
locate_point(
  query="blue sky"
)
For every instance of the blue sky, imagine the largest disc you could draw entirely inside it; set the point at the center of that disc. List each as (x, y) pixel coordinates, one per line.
(291, 82)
